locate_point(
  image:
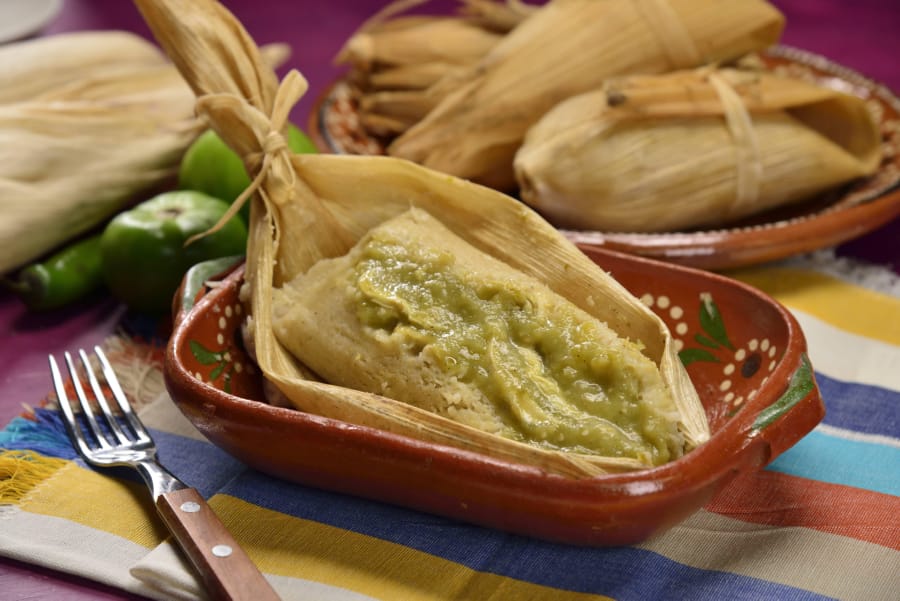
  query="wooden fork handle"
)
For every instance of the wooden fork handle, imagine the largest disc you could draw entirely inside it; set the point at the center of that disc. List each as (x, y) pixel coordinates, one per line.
(225, 568)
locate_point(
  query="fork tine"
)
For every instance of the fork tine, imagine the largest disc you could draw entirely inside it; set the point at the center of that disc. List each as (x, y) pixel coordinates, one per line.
(66, 406)
(111, 379)
(85, 404)
(105, 409)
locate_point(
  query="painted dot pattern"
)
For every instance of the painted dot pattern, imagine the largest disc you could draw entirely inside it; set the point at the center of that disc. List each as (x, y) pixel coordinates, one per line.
(756, 356)
(226, 327)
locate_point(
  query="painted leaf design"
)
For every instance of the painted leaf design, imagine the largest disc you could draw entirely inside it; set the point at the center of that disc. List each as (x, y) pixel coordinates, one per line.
(701, 339)
(711, 321)
(217, 371)
(691, 355)
(203, 355)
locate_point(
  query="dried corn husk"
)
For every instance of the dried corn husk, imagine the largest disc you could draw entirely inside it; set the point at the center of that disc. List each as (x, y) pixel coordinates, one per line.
(692, 148)
(497, 15)
(35, 66)
(395, 59)
(569, 47)
(88, 121)
(311, 207)
(85, 140)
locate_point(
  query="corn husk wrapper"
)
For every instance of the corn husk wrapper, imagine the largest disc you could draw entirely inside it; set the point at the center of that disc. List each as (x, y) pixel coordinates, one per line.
(497, 15)
(106, 117)
(390, 39)
(566, 48)
(35, 66)
(692, 148)
(310, 207)
(394, 60)
(114, 120)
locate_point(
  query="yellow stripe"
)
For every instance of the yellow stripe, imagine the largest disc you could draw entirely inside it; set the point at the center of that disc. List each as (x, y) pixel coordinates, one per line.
(831, 565)
(305, 549)
(100, 502)
(843, 305)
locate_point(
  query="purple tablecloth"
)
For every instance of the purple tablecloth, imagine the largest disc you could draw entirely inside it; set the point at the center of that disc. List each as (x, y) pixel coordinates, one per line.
(862, 35)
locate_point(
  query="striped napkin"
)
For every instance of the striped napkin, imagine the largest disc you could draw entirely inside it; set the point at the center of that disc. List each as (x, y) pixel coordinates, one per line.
(820, 522)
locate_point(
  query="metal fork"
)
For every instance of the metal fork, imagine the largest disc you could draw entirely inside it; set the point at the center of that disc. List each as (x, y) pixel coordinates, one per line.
(118, 438)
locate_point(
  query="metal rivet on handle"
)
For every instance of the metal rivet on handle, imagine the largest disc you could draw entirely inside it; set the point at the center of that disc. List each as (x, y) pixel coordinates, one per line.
(221, 550)
(190, 507)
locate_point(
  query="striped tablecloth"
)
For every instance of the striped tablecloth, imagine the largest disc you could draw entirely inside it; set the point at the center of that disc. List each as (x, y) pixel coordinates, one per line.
(820, 522)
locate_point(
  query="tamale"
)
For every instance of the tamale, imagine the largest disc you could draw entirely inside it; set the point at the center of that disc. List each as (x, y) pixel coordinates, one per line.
(416, 40)
(396, 59)
(565, 48)
(415, 313)
(307, 209)
(32, 67)
(87, 121)
(115, 120)
(694, 148)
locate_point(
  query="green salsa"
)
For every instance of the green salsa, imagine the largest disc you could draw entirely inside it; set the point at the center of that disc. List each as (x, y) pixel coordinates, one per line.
(555, 376)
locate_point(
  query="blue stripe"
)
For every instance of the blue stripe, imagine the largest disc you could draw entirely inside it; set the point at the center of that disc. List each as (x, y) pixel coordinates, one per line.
(859, 407)
(820, 456)
(197, 463)
(624, 573)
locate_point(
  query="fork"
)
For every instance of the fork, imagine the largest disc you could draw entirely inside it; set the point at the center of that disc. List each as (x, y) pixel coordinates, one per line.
(120, 439)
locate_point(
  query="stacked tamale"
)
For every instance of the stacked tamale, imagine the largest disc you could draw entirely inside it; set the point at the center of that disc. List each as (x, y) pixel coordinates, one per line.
(396, 61)
(692, 148)
(394, 296)
(550, 112)
(86, 121)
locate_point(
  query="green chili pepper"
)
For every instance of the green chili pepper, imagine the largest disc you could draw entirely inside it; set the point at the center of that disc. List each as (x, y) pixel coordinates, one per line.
(66, 276)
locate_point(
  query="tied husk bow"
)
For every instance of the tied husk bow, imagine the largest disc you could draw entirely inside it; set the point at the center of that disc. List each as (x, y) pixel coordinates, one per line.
(307, 208)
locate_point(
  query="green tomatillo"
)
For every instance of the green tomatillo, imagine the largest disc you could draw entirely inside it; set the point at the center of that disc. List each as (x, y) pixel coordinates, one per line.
(144, 250)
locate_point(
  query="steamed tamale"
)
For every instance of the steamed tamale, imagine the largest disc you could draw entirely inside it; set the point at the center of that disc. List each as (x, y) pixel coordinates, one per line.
(416, 314)
(87, 120)
(693, 148)
(309, 209)
(394, 60)
(566, 48)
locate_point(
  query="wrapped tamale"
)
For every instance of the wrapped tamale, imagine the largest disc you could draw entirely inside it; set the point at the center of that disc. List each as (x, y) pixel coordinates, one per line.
(86, 121)
(694, 148)
(314, 214)
(565, 48)
(395, 59)
(32, 67)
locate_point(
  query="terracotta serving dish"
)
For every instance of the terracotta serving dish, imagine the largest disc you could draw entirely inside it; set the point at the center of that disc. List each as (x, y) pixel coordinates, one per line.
(829, 219)
(744, 352)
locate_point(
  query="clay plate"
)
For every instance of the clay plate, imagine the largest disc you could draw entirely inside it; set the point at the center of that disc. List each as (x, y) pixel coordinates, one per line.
(744, 352)
(829, 219)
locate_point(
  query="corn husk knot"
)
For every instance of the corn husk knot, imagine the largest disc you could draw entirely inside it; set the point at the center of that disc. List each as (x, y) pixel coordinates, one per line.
(260, 138)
